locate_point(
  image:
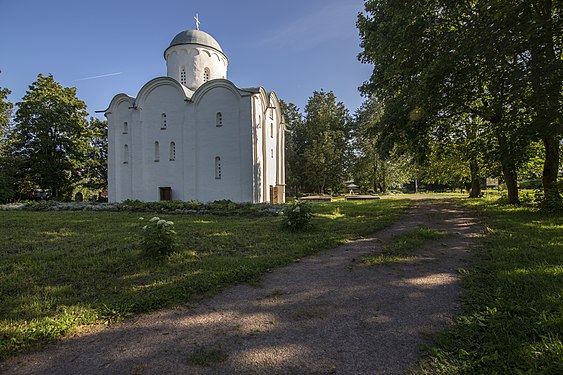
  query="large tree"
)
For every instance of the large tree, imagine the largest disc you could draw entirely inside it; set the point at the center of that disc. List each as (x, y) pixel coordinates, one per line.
(439, 60)
(294, 146)
(50, 136)
(375, 167)
(6, 108)
(6, 163)
(324, 143)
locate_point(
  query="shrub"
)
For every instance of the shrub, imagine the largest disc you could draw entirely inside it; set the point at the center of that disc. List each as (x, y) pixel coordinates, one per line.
(158, 237)
(297, 215)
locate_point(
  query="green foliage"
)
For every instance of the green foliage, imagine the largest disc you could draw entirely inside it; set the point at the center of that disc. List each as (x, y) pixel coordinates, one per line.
(440, 65)
(50, 136)
(7, 169)
(512, 308)
(158, 237)
(317, 144)
(218, 207)
(6, 108)
(94, 172)
(297, 215)
(294, 144)
(374, 167)
(61, 270)
(550, 202)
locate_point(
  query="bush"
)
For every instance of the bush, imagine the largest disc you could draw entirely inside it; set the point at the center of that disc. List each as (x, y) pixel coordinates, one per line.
(550, 203)
(158, 237)
(297, 215)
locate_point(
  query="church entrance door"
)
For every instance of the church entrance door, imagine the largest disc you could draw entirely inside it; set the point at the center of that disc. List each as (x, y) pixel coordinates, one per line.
(165, 193)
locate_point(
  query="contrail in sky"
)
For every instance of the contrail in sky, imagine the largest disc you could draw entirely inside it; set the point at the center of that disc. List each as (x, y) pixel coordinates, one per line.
(100, 76)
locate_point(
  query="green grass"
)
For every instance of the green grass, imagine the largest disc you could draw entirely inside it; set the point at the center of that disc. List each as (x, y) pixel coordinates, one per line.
(61, 272)
(512, 320)
(401, 246)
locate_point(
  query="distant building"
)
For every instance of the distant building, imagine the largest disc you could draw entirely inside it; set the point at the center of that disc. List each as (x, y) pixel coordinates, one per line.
(194, 135)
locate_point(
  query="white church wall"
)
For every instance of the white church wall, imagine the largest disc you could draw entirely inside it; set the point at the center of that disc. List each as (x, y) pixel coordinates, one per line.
(122, 152)
(162, 117)
(226, 177)
(270, 151)
(258, 149)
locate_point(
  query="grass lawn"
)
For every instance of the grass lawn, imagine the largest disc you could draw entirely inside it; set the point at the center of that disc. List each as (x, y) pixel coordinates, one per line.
(402, 245)
(61, 272)
(512, 320)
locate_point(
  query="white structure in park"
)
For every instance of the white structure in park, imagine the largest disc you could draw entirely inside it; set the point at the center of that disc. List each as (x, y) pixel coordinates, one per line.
(194, 135)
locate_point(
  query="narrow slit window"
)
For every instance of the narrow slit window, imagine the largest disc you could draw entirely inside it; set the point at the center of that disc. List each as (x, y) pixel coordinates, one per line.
(156, 151)
(125, 128)
(271, 130)
(163, 123)
(125, 154)
(206, 74)
(217, 168)
(183, 75)
(219, 120)
(172, 151)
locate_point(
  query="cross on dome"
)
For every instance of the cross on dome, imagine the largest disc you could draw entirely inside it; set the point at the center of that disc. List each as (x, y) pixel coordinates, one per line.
(196, 18)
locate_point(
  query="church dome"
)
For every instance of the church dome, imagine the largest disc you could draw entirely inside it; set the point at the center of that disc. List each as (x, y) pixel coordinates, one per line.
(195, 37)
(194, 57)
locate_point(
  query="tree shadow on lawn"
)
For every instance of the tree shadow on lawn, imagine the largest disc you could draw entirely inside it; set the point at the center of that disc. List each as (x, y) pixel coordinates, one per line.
(53, 287)
(372, 319)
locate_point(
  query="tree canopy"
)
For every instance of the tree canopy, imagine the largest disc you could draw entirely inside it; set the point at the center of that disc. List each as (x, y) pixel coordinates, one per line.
(439, 63)
(318, 150)
(50, 136)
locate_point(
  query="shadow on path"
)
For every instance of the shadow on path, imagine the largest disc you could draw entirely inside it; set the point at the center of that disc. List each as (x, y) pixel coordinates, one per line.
(327, 314)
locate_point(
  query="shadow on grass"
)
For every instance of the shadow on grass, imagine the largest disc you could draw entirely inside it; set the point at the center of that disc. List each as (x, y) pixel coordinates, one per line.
(50, 287)
(512, 320)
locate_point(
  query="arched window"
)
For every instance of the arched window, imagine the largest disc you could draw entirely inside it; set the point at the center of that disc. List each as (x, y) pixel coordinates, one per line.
(156, 151)
(183, 75)
(219, 120)
(172, 151)
(217, 168)
(206, 74)
(163, 121)
(125, 128)
(125, 154)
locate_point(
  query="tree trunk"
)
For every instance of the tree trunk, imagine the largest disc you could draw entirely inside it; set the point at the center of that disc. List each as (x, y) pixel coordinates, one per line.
(546, 84)
(374, 180)
(508, 169)
(550, 170)
(475, 191)
(511, 180)
(383, 181)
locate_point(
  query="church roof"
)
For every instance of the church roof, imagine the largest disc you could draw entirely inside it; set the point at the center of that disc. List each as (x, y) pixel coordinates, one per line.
(195, 37)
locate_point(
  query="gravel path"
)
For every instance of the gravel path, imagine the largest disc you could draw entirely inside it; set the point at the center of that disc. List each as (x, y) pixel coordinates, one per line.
(326, 314)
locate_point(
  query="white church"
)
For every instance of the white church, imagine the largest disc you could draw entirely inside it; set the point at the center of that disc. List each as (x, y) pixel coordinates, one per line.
(193, 135)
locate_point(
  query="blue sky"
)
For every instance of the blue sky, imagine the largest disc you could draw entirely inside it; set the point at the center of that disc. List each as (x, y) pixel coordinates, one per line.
(106, 47)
